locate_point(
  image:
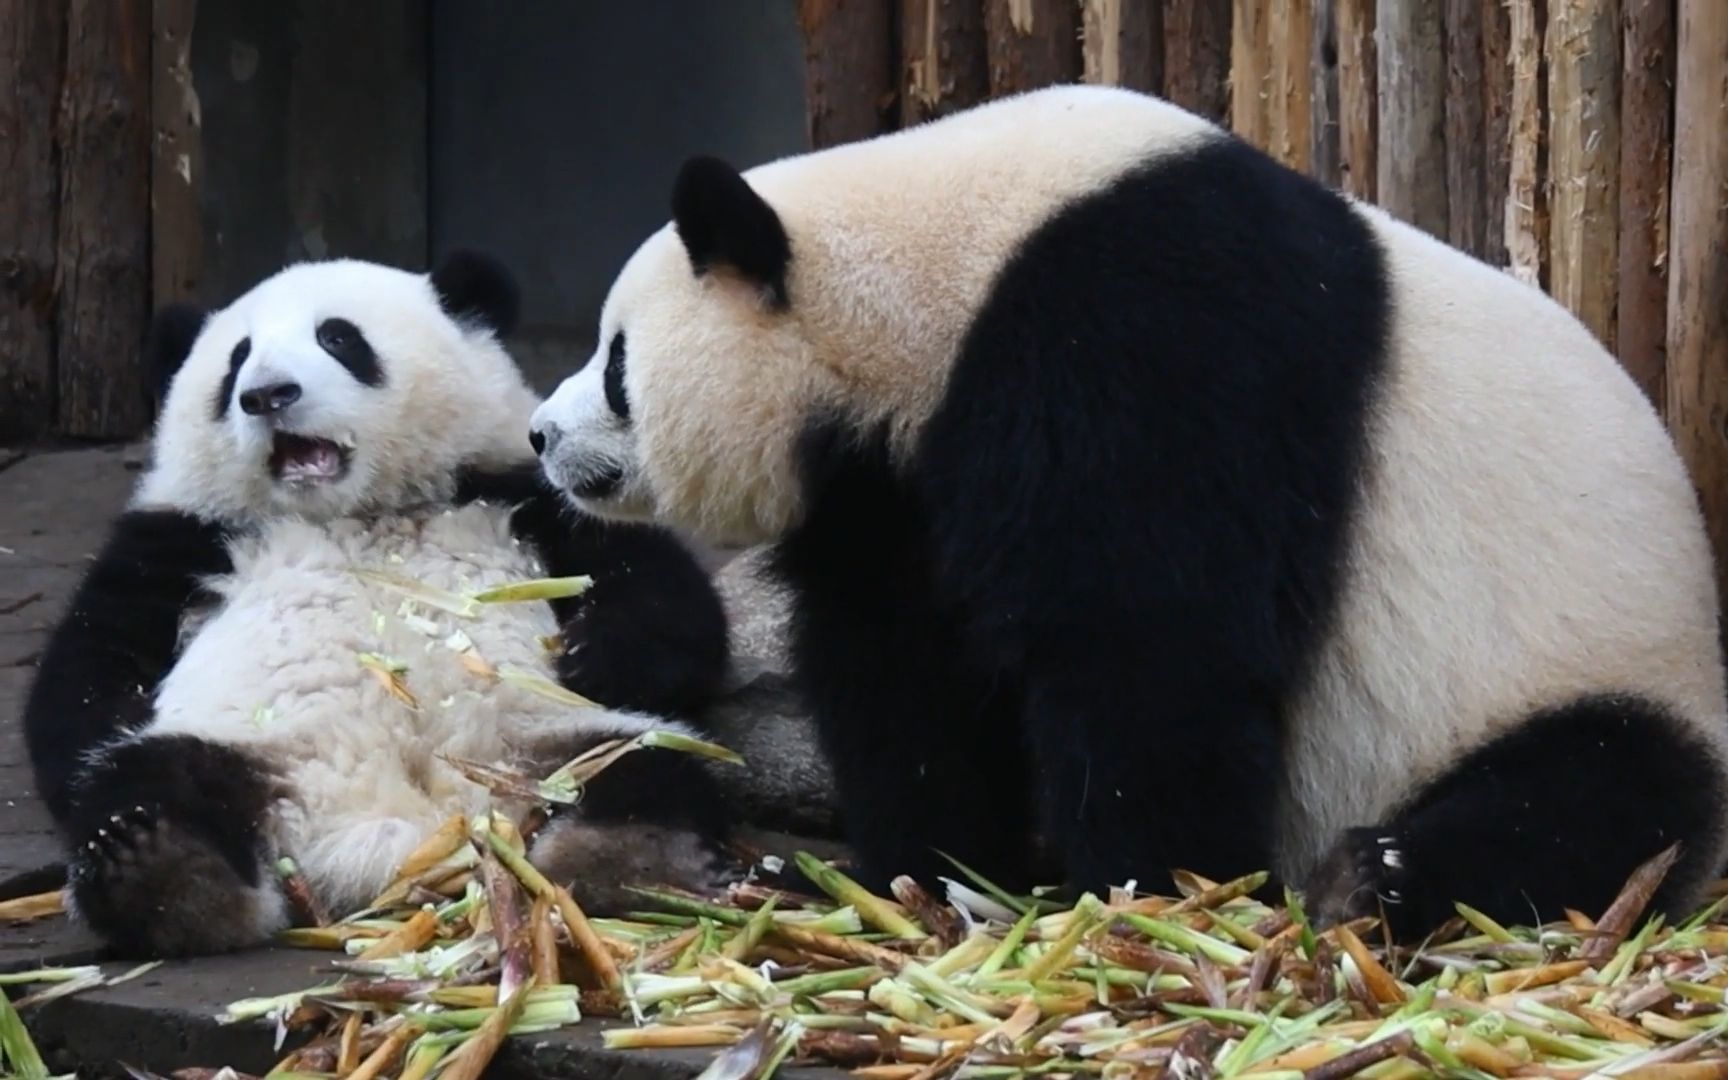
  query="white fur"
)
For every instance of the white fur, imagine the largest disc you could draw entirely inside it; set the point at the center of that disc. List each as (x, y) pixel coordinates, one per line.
(273, 666)
(276, 672)
(1529, 533)
(451, 396)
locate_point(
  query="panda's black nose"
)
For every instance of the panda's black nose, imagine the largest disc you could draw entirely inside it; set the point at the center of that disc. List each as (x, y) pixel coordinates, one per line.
(269, 399)
(537, 440)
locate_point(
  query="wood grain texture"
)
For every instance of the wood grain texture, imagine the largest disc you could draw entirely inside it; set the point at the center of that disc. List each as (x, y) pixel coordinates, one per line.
(1646, 156)
(1323, 133)
(102, 260)
(1290, 83)
(1197, 56)
(1412, 95)
(1466, 126)
(1698, 261)
(32, 37)
(849, 68)
(1526, 201)
(1250, 70)
(176, 155)
(1033, 43)
(1358, 98)
(1121, 43)
(1496, 24)
(1584, 62)
(944, 62)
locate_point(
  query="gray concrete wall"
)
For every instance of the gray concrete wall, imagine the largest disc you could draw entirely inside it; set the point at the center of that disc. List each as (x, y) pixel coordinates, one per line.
(557, 129)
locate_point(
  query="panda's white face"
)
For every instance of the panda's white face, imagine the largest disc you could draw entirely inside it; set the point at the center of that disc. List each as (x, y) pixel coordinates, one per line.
(683, 363)
(332, 389)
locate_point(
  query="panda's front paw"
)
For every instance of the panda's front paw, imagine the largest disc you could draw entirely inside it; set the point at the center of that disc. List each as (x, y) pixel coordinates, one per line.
(1365, 870)
(599, 861)
(153, 887)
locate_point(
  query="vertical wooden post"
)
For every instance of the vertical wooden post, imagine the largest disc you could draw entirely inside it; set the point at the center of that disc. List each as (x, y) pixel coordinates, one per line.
(1526, 202)
(1250, 70)
(1033, 43)
(1496, 127)
(1698, 261)
(1584, 158)
(1122, 43)
(1290, 83)
(1358, 98)
(848, 68)
(1323, 121)
(32, 34)
(102, 268)
(1646, 152)
(943, 58)
(1466, 147)
(1197, 56)
(176, 156)
(1412, 162)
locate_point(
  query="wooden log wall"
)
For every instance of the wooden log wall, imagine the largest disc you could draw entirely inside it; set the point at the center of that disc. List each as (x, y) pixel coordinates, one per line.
(1580, 145)
(74, 217)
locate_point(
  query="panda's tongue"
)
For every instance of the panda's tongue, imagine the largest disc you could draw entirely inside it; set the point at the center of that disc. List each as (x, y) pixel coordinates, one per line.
(296, 457)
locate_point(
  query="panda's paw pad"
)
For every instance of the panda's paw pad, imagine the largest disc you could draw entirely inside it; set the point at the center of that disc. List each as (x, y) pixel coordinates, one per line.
(1365, 870)
(195, 900)
(120, 840)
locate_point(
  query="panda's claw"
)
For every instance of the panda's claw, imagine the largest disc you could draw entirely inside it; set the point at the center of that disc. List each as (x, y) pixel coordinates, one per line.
(1364, 873)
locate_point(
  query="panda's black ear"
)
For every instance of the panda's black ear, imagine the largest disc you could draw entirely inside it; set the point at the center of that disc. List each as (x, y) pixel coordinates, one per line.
(173, 331)
(475, 287)
(723, 222)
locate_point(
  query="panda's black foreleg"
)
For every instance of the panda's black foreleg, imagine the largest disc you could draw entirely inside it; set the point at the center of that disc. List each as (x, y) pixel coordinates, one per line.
(1553, 815)
(924, 744)
(1143, 770)
(168, 856)
(650, 634)
(116, 641)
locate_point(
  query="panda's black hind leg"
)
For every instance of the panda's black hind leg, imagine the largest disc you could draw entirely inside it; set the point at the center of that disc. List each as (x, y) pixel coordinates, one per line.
(1554, 815)
(167, 857)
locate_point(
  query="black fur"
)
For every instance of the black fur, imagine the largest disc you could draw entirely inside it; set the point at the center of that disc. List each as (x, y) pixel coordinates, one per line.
(1118, 541)
(612, 379)
(116, 642)
(173, 331)
(723, 222)
(1553, 815)
(225, 393)
(921, 736)
(349, 347)
(474, 287)
(651, 633)
(169, 815)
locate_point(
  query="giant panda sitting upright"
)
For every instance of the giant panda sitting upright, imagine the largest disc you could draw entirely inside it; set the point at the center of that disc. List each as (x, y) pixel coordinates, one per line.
(202, 709)
(1141, 492)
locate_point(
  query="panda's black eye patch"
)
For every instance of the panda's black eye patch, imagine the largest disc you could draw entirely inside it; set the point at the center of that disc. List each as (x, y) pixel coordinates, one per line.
(612, 379)
(349, 347)
(235, 359)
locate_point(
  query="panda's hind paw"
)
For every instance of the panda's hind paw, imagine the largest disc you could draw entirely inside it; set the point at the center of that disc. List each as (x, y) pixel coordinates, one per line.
(1364, 875)
(156, 888)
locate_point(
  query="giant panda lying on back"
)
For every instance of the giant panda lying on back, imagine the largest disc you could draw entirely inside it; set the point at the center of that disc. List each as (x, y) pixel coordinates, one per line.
(1141, 492)
(202, 710)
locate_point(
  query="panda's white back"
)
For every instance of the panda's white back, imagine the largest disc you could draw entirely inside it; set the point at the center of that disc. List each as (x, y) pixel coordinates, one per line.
(1528, 537)
(275, 669)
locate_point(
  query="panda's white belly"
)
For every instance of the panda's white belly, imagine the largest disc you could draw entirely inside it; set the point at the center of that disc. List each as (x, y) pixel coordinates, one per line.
(276, 669)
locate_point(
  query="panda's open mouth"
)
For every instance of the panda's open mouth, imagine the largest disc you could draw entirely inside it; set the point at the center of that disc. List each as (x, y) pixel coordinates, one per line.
(307, 459)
